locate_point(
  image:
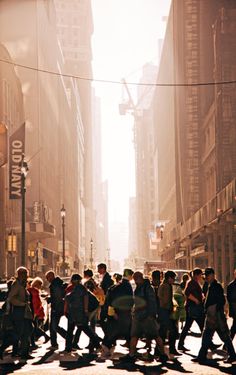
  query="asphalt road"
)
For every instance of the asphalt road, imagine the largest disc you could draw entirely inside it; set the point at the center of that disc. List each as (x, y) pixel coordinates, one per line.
(48, 362)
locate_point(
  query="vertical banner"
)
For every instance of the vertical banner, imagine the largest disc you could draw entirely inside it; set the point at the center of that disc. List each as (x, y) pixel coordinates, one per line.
(16, 149)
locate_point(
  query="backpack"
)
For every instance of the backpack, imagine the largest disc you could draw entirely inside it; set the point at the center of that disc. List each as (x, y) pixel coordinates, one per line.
(93, 302)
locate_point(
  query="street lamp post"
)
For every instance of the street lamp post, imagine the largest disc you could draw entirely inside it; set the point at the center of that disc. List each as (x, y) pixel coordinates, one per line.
(91, 253)
(24, 171)
(63, 215)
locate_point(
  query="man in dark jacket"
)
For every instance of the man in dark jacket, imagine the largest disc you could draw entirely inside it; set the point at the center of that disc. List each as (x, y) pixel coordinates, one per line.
(78, 309)
(56, 299)
(231, 297)
(215, 319)
(105, 285)
(119, 303)
(144, 323)
(106, 277)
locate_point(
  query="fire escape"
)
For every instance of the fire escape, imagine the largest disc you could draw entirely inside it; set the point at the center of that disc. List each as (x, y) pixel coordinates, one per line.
(192, 199)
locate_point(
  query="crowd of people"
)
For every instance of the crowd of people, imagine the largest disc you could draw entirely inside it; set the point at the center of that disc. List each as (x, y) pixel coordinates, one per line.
(129, 306)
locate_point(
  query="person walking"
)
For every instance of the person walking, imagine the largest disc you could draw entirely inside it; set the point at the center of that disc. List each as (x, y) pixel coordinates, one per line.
(119, 302)
(21, 314)
(215, 319)
(56, 299)
(106, 277)
(78, 309)
(105, 284)
(8, 334)
(144, 323)
(231, 297)
(38, 311)
(165, 293)
(194, 306)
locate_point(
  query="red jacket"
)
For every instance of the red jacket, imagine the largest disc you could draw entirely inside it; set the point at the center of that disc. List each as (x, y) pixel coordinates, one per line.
(37, 306)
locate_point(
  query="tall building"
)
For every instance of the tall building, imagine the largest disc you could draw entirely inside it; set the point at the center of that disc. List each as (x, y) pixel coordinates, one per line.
(203, 121)
(131, 261)
(75, 29)
(143, 141)
(100, 188)
(55, 138)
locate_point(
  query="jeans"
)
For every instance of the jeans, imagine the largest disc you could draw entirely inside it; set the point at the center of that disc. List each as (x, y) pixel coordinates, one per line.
(188, 323)
(92, 323)
(37, 330)
(23, 329)
(168, 325)
(207, 340)
(55, 328)
(116, 329)
(94, 339)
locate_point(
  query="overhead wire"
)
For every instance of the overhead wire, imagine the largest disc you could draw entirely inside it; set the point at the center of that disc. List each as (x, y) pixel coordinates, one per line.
(90, 79)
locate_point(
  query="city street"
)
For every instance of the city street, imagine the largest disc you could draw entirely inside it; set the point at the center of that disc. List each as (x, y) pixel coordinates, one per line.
(46, 361)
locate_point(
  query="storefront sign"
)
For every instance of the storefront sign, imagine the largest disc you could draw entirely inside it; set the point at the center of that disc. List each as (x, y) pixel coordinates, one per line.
(16, 150)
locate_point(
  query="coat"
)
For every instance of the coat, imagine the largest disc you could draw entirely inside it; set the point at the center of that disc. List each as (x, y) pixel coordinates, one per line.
(36, 303)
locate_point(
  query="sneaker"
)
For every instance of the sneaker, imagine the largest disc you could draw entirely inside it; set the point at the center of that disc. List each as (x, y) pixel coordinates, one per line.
(53, 347)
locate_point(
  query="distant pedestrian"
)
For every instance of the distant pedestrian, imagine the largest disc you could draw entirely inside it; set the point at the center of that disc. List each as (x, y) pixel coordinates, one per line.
(117, 277)
(106, 277)
(185, 278)
(215, 319)
(56, 299)
(231, 297)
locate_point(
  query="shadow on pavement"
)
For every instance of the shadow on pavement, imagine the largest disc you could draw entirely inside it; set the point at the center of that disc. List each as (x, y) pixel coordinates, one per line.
(10, 368)
(132, 367)
(214, 364)
(83, 361)
(45, 358)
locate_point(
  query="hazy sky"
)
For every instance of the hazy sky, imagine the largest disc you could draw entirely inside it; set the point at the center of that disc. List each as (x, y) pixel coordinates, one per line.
(126, 34)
